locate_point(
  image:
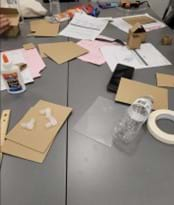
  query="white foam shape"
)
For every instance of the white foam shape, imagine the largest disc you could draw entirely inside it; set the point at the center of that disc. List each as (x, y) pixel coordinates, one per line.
(28, 125)
(51, 119)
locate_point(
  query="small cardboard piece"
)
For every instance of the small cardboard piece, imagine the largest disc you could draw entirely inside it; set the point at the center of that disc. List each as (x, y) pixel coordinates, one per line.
(139, 19)
(28, 46)
(44, 28)
(165, 80)
(136, 36)
(63, 51)
(129, 90)
(13, 16)
(5, 117)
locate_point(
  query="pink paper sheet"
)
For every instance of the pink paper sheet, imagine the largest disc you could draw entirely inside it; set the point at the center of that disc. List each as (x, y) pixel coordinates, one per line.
(34, 62)
(94, 56)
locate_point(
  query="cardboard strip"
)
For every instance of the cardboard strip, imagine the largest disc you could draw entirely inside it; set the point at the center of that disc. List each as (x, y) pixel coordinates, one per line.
(5, 117)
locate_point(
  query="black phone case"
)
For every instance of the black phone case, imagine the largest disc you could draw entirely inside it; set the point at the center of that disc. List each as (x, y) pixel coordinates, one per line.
(119, 72)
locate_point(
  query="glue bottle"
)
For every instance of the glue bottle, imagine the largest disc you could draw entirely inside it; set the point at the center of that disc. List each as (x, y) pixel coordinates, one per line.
(12, 76)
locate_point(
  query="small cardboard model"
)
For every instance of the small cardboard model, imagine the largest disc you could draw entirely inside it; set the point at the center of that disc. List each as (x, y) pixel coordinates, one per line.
(136, 36)
(13, 16)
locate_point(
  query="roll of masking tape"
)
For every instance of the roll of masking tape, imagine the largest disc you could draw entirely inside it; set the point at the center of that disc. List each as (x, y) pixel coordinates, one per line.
(155, 130)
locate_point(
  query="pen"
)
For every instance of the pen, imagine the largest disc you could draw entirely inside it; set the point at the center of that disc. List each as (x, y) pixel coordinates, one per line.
(142, 59)
(112, 41)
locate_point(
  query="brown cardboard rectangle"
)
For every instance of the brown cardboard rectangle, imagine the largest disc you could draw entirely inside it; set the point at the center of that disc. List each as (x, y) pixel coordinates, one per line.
(139, 19)
(28, 46)
(40, 137)
(130, 90)
(23, 152)
(44, 28)
(43, 47)
(63, 52)
(165, 80)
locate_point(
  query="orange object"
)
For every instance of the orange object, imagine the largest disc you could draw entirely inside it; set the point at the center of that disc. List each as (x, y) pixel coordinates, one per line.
(5, 58)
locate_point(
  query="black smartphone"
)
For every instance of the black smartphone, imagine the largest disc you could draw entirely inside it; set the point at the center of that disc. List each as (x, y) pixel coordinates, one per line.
(119, 72)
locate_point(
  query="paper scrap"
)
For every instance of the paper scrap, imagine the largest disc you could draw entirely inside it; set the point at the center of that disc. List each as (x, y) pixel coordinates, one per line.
(83, 26)
(165, 80)
(44, 28)
(129, 90)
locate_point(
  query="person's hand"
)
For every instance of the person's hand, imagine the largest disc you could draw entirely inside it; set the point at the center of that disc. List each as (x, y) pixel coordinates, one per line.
(4, 23)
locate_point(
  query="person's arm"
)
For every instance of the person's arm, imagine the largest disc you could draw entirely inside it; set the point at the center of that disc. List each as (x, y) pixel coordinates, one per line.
(4, 23)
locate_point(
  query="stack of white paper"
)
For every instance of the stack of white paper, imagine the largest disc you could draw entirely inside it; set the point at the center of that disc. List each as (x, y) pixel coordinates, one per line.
(124, 26)
(84, 27)
(145, 57)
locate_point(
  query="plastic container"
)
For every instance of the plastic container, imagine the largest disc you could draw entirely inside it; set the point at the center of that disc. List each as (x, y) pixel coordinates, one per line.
(128, 128)
(12, 76)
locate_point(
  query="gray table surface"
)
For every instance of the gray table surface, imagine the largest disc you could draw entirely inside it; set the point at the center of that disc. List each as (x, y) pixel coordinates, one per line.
(77, 170)
(99, 175)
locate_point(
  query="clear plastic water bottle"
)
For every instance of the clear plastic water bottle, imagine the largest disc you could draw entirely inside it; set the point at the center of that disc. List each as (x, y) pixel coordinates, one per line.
(128, 128)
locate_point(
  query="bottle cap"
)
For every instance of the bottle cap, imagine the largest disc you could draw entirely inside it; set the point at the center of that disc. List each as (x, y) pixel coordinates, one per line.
(6, 62)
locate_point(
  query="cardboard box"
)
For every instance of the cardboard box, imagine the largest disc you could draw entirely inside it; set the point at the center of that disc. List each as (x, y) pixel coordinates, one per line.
(136, 36)
(13, 15)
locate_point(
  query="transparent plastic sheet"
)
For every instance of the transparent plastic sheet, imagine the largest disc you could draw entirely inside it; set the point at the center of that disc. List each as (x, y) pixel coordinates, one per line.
(98, 121)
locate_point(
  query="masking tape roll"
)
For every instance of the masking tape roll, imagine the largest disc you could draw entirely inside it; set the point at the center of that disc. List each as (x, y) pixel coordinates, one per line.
(154, 129)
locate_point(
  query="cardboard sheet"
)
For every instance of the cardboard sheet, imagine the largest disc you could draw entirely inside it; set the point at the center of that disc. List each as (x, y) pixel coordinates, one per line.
(17, 150)
(40, 138)
(43, 47)
(44, 28)
(129, 91)
(139, 19)
(28, 46)
(64, 51)
(165, 80)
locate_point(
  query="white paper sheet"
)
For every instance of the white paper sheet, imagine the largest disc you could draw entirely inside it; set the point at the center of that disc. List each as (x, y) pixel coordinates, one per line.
(145, 57)
(84, 27)
(124, 26)
(16, 56)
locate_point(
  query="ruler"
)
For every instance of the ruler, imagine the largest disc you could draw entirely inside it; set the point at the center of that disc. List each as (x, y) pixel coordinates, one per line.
(5, 116)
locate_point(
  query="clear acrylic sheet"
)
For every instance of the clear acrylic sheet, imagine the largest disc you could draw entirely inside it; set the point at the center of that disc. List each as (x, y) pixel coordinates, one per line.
(99, 120)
